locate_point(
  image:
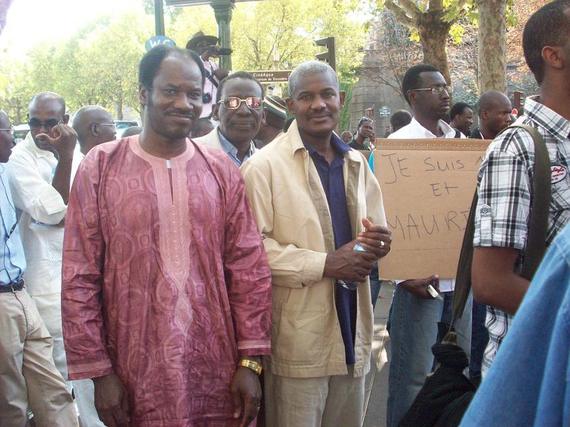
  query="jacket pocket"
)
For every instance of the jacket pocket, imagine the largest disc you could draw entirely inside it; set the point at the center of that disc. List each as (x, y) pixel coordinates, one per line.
(299, 336)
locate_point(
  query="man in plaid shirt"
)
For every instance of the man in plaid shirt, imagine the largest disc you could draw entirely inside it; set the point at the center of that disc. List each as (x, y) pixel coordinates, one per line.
(505, 178)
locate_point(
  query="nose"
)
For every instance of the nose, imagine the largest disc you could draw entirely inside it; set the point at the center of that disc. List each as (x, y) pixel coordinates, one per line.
(318, 103)
(183, 103)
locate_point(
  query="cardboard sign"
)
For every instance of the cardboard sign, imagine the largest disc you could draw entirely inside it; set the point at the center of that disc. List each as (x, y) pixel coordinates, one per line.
(428, 186)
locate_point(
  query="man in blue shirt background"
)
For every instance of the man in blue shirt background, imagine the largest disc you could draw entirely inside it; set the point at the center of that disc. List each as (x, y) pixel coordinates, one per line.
(28, 376)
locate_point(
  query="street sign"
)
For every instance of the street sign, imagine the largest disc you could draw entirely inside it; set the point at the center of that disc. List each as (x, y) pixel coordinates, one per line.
(384, 111)
(158, 40)
(271, 76)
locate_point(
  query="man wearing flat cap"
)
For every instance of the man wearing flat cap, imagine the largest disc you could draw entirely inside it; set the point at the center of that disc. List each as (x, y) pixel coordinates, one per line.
(207, 47)
(273, 121)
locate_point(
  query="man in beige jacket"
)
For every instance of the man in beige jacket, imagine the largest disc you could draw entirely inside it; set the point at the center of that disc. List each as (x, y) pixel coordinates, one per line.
(320, 211)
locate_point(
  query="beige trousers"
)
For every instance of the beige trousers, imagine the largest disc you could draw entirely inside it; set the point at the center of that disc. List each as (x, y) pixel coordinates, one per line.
(332, 401)
(49, 307)
(28, 376)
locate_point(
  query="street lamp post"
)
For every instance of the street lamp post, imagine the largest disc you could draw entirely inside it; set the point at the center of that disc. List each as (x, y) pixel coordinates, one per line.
(223, 13)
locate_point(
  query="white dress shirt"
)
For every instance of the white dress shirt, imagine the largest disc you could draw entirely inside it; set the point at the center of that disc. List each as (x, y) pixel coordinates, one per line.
(41, 210)
(414, 130)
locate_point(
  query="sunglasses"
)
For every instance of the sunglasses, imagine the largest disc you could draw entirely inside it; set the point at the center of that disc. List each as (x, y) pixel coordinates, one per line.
(48, 124)
(234, 102)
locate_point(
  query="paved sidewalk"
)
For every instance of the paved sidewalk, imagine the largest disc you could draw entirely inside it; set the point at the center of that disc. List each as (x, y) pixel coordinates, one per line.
(377, 379)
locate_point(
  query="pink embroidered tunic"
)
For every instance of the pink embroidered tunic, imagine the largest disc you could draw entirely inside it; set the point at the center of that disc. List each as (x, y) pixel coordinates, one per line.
(165, 281)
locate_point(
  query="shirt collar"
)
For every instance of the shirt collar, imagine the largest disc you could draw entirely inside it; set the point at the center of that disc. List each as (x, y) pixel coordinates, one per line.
(232, 151)
(337, 144)
(31, 145)
(448, 131)
(551, 121)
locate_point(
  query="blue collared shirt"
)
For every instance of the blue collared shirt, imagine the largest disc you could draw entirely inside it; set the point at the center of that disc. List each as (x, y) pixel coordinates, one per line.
(232, 151)
(332, 179)
(13, 258)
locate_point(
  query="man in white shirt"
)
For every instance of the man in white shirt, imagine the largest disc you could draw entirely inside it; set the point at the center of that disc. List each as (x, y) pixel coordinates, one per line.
(415, 314)
(40, 171)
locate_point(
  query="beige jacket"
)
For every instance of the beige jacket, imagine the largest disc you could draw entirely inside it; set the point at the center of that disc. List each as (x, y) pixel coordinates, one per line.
(288, 200)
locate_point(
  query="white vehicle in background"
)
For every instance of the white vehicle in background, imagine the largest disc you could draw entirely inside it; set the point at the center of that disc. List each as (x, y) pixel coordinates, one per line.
(123, 125)
(19, 132)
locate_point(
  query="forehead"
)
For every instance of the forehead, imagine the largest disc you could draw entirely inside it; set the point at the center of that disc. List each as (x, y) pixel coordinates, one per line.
(316, 82)
(432, 78)
(367, 123)
(241, 87)
(178, 70)
(46, 108)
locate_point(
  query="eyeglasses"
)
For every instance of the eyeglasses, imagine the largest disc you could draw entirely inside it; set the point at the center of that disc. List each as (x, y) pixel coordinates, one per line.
(436, 90)
(234, 102)
(105, 124)
(48, 124)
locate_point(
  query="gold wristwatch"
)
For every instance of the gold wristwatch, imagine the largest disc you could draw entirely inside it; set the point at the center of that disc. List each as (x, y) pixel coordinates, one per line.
(251, 364)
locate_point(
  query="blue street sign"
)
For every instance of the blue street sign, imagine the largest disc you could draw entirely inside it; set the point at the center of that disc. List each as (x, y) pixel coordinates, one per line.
(157, 40)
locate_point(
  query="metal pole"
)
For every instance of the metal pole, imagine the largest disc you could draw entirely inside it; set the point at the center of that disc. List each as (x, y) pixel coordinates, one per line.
(159, 18)
(223, 13)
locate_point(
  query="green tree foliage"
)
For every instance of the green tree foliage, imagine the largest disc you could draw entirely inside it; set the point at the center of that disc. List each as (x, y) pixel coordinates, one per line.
(98, 64)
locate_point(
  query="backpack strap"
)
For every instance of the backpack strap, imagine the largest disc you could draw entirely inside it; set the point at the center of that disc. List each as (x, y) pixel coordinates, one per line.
(538, 225)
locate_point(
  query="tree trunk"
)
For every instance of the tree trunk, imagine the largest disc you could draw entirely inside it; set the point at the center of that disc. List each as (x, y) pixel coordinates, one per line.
(492, 45)
(433, 37)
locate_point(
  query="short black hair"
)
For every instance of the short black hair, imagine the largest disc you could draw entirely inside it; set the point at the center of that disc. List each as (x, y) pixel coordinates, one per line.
(412, 79)
(548, 26)
(458, 108)
(237, 75)
(152, 60)
(400, 119)
(362, 120)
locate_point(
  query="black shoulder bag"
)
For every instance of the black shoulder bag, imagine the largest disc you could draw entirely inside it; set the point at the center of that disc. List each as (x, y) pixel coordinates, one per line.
(446, 394)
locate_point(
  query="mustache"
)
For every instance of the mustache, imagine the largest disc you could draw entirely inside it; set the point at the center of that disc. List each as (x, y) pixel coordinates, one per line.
(183, 113)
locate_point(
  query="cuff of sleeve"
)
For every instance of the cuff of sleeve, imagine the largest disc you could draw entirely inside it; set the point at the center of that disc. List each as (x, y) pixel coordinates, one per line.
(82, 371)
(254, 347)
(313, 267)
(52, 202)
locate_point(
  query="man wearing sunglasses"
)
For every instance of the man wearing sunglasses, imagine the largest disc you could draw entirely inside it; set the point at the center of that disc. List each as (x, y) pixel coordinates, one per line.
(315, 198)
(40, 172)
(28, 376)
(239, 112)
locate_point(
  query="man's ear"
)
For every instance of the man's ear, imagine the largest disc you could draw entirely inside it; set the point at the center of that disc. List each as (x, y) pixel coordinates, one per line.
(65, 118)
(215, 112)
(554, 57)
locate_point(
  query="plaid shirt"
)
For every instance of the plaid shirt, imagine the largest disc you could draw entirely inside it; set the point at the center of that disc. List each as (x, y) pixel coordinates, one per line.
(505, 195)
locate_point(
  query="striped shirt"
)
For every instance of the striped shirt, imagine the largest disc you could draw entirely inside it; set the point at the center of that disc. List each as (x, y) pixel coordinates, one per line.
(505, 195)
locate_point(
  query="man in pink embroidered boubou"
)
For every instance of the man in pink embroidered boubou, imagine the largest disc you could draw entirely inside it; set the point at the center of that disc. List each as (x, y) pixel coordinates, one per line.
(166, 287)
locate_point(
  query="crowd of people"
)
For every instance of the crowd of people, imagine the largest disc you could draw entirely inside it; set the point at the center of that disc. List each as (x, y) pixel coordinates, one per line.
(219, 266)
